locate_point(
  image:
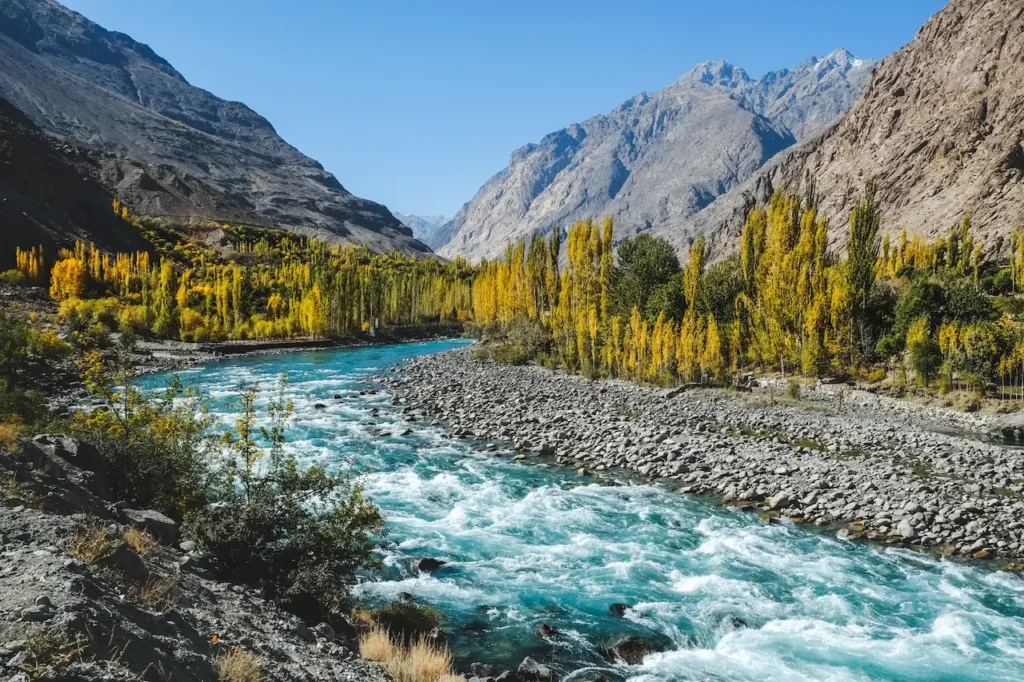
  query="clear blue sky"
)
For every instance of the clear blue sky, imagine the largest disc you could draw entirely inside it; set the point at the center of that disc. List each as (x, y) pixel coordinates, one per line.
(416, 104)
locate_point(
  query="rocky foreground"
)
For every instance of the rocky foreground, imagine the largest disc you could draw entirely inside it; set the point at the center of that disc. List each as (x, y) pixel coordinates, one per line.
(872, 467)
(92, 591)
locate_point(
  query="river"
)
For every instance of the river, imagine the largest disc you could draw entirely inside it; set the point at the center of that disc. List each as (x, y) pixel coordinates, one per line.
(727, 596)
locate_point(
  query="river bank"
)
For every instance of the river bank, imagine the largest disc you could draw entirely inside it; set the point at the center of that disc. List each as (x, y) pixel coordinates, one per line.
(159, 355)
(868, 466)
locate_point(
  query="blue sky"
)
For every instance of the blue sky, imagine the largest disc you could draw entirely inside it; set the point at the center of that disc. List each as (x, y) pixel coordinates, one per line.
(416, 104)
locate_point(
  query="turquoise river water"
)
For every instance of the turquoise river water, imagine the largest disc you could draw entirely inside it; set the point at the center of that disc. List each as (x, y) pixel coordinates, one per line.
(728, 597)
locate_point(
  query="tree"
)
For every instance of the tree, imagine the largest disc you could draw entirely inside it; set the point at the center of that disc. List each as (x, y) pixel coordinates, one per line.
(645, 263)
(862, 247)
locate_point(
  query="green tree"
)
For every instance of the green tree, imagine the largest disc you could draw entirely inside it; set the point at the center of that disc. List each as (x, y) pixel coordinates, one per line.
(862, 246)
(645, 263)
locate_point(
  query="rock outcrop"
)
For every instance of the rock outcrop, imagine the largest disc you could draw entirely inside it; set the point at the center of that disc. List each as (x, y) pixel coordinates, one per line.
(940, 126)
(658, 158)
(176, 150)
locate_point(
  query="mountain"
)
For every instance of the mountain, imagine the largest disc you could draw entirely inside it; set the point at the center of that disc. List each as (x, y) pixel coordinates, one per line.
(175, 150)
(657, 159)
(804, 99)
(425, 227)
(51, 194)
(940, 126)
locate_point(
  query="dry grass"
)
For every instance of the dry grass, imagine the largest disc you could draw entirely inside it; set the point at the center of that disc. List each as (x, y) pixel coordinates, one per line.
(421, 661)
(238, 666)
(10, 432)
(364, 617)
(377, 645)
(91, 543)
(158, 594)
(142, 542)
(13, 491)
(50, 653)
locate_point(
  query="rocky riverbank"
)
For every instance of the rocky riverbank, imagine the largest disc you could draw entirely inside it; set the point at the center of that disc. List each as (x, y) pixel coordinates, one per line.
(868, 466)
(92, 591)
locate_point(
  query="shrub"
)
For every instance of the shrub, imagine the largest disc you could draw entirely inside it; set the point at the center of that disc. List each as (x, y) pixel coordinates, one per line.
(793, 389)
(510, 354)
(238, 666)
(48, 345)
(140, 541)
(154, 444)
(407, 620)
(157, 594)
(14, 278)
(302, 535)
(90, 543)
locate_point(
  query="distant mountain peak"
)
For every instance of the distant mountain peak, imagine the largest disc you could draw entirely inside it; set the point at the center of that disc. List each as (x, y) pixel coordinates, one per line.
(720, 74)
(656, 159)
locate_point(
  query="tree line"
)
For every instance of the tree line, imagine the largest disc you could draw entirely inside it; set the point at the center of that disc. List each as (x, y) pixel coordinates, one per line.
(941, 310)
(256, 283)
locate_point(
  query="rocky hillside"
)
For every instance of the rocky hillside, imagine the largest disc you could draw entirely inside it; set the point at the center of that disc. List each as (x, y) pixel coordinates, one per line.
(426, 228)
(92, 591)
(658, 158)
(941, 126)
(178, 150)
(51, 194)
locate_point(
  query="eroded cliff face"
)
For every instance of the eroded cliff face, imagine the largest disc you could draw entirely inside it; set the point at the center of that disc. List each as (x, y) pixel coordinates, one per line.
(940, 125)
(176, 150)
(658, 158)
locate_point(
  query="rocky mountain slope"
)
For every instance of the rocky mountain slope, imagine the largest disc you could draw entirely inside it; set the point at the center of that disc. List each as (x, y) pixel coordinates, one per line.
(941, 126)
(658, 158)
(426, 228)
(51, 193)
(92, 591)
(179, 150)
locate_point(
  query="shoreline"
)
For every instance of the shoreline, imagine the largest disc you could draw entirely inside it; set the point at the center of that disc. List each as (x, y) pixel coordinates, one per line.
(868, 467)
(157, 355)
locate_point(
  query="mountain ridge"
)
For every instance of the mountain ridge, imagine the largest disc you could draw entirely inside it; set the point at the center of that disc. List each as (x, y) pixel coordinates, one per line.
(939, 127)
(173, 150)
(656, 157)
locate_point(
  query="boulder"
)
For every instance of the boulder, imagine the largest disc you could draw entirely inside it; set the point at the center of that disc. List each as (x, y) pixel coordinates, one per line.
(155, 523)
(67, 458)
(428, 565)
(532, 670)
(632, 649)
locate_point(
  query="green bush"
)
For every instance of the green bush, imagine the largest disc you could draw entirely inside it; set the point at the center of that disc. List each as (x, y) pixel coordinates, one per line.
(793, 389)
(510, 354)
(154, 444)
(301, 535)
(408, 620)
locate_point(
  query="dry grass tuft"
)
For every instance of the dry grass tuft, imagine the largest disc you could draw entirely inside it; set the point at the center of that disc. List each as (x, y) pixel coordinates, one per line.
(10, 432)
(421, 661)
(14, 492)
(364, 617)
(377, 645)
(238, 666)
(142, 542)
(158, 594)
(91, 543)
(50, 653)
